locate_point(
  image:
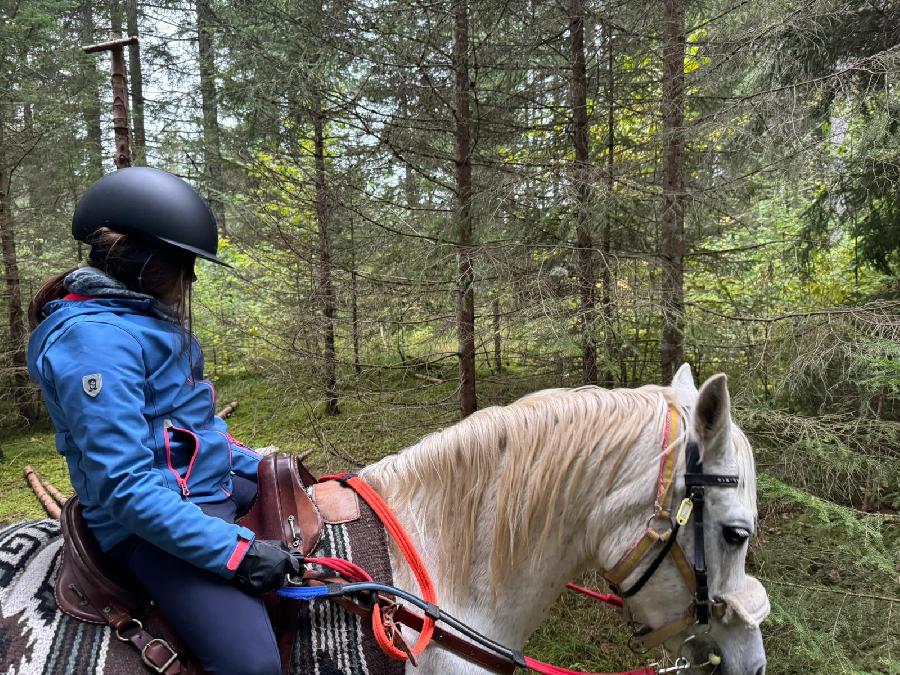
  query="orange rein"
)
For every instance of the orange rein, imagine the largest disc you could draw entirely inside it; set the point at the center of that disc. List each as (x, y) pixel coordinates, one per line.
(393, 526)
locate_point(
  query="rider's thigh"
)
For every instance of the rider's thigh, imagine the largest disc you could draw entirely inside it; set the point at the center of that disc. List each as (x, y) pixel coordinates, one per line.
(227, 630)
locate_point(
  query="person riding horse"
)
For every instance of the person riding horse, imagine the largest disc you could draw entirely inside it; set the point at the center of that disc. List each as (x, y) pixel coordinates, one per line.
(159, 476)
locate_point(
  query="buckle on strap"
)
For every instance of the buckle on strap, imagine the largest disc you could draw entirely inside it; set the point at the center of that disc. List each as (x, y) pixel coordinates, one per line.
(159, 667)
(129, 624)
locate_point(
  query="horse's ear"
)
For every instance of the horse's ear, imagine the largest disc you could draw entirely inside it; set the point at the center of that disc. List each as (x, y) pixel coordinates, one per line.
(683, 381)
(712, 416)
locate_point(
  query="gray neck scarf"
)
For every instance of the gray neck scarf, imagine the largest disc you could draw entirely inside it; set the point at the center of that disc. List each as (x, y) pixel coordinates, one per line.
(94, 282)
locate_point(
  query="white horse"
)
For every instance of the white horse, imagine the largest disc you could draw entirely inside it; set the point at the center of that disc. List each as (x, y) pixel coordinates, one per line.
(505, 508)
(513, 502)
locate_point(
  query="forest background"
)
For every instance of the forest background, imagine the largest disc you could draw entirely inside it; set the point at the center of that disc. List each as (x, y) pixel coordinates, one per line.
(435, 206)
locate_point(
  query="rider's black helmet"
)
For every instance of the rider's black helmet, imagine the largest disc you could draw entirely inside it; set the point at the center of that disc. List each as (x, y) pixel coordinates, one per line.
(153, 204)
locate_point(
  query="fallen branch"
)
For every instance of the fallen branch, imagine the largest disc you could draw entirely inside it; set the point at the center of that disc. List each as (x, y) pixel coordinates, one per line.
(50, 506)
(227, 410)
(433, 380)
(58, 496)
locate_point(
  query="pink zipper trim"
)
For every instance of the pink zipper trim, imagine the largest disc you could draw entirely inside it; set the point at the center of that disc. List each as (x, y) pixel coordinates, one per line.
(181, 480)
(212, 390)
(232, 439)
(228, 443)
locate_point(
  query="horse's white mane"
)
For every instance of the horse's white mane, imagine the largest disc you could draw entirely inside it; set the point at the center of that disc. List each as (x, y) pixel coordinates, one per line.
(541, 460)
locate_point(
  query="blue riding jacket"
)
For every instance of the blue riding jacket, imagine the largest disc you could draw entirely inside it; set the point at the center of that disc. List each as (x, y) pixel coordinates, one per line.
(136, 423)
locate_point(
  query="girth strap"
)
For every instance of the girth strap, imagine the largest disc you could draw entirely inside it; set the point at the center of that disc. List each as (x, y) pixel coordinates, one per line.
(157, 654)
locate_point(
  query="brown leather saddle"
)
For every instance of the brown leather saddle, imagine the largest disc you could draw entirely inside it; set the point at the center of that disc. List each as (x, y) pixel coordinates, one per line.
(91, 588)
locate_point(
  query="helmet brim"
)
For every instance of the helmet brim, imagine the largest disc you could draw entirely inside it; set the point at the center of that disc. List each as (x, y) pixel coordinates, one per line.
(199, 252)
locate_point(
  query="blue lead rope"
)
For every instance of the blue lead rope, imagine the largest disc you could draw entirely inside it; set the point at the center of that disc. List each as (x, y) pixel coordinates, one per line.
(303, 592)
(335, 590)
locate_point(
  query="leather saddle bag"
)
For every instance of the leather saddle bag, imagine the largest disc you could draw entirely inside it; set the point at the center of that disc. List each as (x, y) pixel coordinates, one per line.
(283, 510)
(90, 588)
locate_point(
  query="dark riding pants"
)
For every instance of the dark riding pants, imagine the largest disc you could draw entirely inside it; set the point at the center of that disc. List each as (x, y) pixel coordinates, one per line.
(227, 630)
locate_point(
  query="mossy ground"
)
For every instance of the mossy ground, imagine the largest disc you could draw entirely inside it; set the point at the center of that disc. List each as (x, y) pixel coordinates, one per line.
(833, 574)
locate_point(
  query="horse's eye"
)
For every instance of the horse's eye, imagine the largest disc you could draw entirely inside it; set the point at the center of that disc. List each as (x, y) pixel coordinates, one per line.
(735, 535)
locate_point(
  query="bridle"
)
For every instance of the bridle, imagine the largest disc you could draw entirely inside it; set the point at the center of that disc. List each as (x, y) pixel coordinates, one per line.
(690, 508)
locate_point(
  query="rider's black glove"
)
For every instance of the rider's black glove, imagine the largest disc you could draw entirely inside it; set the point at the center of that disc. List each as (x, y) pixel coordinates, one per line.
(264, 567)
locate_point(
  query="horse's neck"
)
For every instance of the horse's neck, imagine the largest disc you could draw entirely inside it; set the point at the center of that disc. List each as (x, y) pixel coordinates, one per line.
(510, 614)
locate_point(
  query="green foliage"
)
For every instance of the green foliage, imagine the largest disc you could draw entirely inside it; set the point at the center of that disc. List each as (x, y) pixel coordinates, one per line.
(829, 570)
(863, 192)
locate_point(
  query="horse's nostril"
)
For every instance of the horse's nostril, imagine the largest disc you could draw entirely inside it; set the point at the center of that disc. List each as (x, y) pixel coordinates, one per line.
(761, 670)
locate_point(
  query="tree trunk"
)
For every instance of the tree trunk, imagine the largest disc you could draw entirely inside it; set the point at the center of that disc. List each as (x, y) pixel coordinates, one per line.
(581, 173)
(212, 151)
(672, 226)
(613, 350)
(15, 316)
(410, 179)
(93, 99)
(326, 289)
(137, 86)
(116, 16)
(462, 156)
(119, 81)
(498, 360)
(32, 187)
(354, 295)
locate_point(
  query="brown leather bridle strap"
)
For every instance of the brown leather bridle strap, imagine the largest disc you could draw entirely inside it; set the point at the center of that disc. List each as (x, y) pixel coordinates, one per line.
(453, 643)
(446, 640)
(651, 536)
(656, 637)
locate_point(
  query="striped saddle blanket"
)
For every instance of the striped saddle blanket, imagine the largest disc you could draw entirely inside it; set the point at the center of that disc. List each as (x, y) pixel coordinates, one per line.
(330, 639)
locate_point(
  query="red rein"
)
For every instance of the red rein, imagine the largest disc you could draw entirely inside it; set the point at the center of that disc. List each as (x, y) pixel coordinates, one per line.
(547, 669)
(393, 526)
(608, 598)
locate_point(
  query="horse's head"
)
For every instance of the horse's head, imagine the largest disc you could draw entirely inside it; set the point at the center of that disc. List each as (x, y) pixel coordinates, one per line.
(715, 630)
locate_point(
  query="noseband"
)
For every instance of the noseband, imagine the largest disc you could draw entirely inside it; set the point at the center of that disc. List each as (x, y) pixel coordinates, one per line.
(661, 528)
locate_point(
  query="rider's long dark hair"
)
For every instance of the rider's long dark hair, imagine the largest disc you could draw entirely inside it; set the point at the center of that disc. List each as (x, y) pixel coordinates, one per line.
(162, 271)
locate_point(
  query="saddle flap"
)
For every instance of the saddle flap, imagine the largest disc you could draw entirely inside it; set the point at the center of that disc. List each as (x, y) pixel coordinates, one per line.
(337, 503)
(86, 582)
(283, 511)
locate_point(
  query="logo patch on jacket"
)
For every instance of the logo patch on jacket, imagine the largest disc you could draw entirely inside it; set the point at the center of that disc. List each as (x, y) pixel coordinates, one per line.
(92, 384)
